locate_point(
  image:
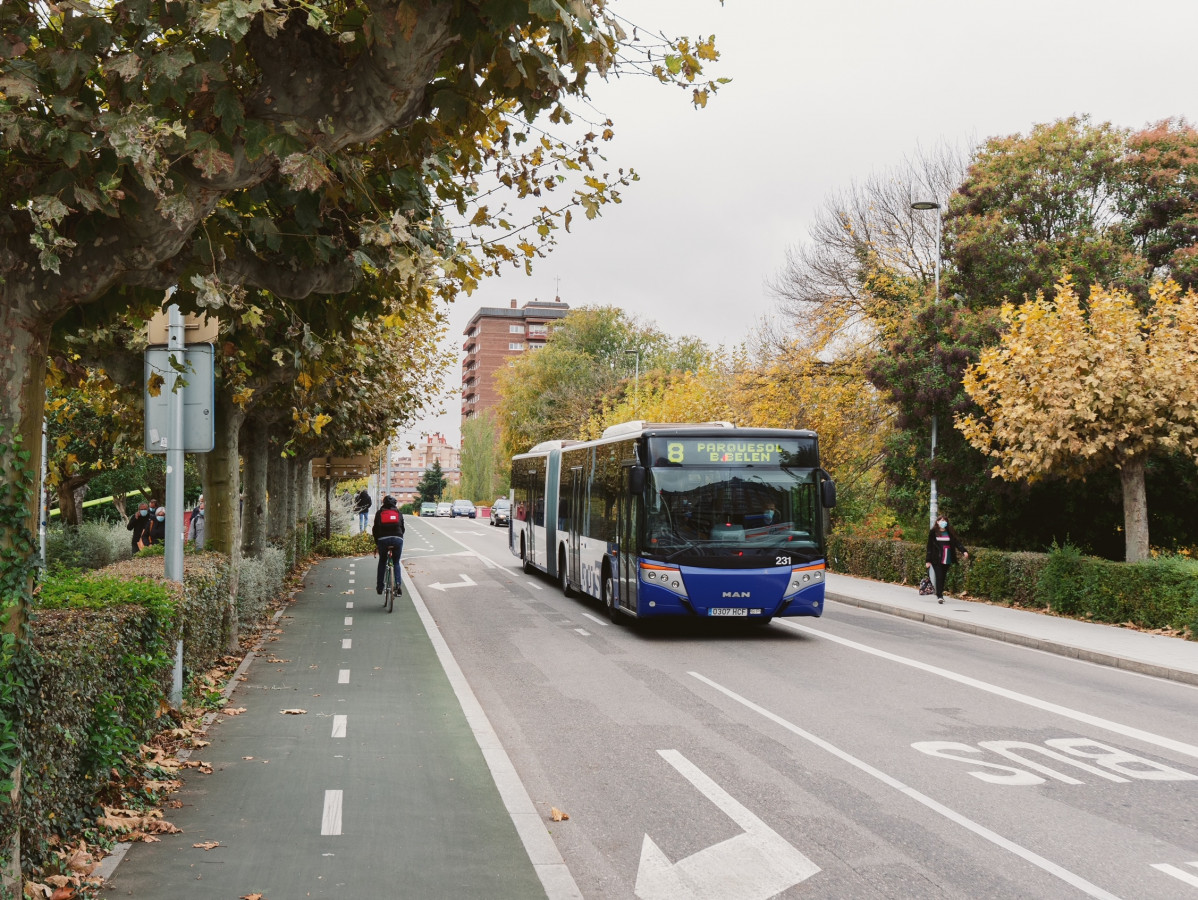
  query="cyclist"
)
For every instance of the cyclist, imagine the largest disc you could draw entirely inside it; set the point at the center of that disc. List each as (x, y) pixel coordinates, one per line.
(388, 535)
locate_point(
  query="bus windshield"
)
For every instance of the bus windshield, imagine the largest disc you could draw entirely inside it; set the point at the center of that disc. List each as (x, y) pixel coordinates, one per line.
(732, 516)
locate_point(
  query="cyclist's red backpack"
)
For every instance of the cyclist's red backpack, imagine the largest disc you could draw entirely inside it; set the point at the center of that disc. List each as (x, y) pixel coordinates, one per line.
(389, 516)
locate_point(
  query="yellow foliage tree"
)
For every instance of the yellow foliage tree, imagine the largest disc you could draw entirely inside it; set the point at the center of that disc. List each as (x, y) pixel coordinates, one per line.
(705, 395)
(1071, 389)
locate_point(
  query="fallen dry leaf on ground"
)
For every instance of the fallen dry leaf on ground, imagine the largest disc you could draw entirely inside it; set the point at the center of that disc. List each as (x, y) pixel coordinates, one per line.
(207, 845)
(293, 712)
(557, 815)
(251, 897)
(234, 711)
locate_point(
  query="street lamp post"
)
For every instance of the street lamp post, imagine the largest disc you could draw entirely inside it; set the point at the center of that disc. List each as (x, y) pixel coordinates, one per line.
(925, 205)
(636, 389)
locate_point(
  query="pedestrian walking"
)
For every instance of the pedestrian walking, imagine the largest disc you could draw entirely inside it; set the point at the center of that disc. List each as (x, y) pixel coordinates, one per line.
(943, 547)
(139, 524)
(362, 504)
(157, 531)
(197, 526)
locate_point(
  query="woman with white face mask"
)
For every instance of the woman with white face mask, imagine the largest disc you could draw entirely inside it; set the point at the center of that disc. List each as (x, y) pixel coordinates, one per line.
(157, 532)
(943, 547)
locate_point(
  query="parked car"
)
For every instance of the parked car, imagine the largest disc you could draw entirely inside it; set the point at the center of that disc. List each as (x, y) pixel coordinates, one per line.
(428, 509)
(501, 511)
(463, 508)
(445, 510)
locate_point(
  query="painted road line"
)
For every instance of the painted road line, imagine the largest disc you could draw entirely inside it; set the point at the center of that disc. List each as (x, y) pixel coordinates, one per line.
(583, 632)
(343, 676)
(339, 723)
(351, 581)
(595, 619)
(330, 820)
(534, 585)
(756, 864)
(546, 859)
(1098, 722)
(349, 620)
(347, 643)
(349, 604)
(1179, 874)
(980, 830)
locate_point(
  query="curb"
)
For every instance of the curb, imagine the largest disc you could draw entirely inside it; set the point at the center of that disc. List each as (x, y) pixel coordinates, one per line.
(1023, 640)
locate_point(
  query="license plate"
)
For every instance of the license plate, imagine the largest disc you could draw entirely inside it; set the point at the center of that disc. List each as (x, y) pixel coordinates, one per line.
(727, 611)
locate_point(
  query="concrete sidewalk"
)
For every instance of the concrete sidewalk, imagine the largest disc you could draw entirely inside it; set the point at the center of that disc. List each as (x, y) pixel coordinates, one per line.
(1108, 645)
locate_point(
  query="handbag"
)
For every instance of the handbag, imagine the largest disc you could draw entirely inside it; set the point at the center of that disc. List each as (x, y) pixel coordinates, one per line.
(925, 587)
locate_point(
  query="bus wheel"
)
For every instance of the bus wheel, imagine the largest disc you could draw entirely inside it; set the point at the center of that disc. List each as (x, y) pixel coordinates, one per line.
(563, 577)
(525, 565)
(609, 600)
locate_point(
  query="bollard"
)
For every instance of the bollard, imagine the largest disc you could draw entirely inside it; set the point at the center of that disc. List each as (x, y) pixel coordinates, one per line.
(177, 678)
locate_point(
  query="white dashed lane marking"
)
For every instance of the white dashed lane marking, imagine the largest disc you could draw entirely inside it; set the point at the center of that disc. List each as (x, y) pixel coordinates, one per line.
(349, 620)
(349, 604)
(346, 643)
(583, 632)
(339, 726)
(343, 676)
(330, 820)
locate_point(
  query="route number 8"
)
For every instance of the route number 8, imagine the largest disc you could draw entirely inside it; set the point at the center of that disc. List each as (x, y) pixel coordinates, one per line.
(674, 452)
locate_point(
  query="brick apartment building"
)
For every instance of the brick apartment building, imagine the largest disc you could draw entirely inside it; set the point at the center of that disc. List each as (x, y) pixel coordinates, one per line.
(408, 467)
(493, 336)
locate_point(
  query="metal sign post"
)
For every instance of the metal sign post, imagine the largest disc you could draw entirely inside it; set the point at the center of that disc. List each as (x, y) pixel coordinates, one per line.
(174, 451)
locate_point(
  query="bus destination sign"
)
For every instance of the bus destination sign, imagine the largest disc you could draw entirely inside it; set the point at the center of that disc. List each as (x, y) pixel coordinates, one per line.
(793, 452)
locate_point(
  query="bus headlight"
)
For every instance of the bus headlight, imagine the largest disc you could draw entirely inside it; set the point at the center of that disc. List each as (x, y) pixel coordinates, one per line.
(668, 577)
(803, 578)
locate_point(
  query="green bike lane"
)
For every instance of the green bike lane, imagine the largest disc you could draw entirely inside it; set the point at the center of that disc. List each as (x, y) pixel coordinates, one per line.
(379, 789)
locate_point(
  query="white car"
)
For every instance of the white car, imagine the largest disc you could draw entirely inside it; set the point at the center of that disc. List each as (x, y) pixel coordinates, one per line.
(444, 510)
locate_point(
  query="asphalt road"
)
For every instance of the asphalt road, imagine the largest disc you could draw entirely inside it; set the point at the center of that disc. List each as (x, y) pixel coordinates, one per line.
(857, 755)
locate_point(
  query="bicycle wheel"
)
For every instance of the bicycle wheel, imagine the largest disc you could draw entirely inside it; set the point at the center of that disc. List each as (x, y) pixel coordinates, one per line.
(389, 590)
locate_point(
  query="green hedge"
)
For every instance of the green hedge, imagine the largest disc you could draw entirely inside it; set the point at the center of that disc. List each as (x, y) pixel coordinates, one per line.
(98, 666)
(1156, 593)
(346, 545)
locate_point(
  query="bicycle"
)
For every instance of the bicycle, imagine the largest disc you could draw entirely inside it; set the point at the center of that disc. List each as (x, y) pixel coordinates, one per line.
(389, 582)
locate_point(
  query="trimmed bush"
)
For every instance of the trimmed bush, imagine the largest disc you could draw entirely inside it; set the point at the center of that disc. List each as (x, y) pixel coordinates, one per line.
(346, 545)
(259, 581)
(1156, 593)
(92, 545)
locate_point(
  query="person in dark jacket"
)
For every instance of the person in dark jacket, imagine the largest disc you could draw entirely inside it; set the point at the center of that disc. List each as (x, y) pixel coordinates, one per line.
(139, 524)
(388, 533)
(157, 532)
(943, 547)
(362, 504)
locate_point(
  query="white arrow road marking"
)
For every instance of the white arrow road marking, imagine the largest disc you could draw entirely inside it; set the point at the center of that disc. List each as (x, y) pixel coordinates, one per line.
(466, 581)
(1179, 874)
(952, 815)
(330, 821)
(751, 866)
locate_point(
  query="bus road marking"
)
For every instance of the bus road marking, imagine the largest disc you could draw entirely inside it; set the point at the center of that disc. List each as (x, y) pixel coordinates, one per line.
(339, 723)
(1098, 722)
(1179, 874)
(343, 676)
(330, 820)
(981, 831)
(596, 619)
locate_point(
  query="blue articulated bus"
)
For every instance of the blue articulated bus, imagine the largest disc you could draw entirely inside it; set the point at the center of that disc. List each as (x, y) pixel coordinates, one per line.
(678, 520)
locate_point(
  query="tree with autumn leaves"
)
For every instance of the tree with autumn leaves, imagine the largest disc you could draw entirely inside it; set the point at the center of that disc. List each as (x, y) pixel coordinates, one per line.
(1073, 388)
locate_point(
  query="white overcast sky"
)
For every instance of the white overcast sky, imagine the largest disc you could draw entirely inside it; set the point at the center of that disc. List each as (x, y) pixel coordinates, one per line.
(823, 94)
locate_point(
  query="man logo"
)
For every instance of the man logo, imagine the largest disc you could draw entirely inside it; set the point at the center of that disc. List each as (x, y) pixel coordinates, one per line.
(733, 595)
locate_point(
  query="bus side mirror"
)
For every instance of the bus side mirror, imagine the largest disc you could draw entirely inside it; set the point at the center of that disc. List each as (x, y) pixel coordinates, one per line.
(827, 491)
(636, 480)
